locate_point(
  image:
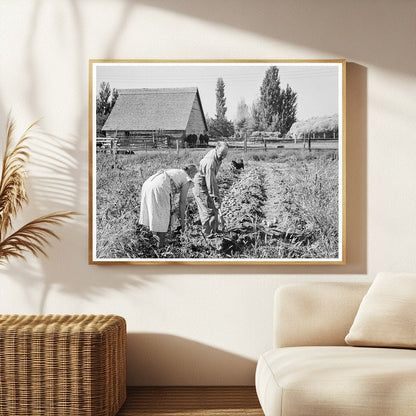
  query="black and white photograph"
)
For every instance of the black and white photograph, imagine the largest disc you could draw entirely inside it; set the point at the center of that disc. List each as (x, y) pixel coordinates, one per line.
(217, 162)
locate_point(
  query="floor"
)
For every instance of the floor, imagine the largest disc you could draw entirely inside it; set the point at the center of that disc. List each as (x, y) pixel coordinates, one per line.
(191, 401)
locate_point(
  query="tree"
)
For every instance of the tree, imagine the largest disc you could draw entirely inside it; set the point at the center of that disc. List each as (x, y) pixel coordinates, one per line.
(114, 97)
(103, 99)
(255, 116)
(220, 126)
(242, 120)
(288, 110)
(270, 99)
(220, 94)
(104, 104)
(277, 107)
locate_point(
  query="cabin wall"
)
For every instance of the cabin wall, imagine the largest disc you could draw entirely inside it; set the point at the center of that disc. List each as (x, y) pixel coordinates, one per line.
(196, 123)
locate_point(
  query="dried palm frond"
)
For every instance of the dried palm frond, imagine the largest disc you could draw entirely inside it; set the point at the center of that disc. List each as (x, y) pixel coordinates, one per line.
(33, 237)
(12, 182)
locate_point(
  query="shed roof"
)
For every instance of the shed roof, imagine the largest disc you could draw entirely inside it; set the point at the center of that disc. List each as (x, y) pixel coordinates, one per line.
(152, 109)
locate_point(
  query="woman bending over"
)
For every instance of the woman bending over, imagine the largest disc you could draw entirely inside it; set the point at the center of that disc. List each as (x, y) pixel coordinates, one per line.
(157, 199)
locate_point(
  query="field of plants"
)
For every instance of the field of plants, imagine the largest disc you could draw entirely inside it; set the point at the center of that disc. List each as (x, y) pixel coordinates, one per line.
(283, 205)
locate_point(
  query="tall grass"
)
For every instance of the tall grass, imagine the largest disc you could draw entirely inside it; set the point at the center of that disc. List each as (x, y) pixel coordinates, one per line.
(308, 208)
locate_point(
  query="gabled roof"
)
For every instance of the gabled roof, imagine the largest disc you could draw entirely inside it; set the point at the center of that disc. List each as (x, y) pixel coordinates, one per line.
(152, 109)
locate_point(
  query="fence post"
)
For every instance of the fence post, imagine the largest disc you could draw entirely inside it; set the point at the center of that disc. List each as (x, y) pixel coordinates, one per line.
(113, 147)
(245, 142)
(177, 147)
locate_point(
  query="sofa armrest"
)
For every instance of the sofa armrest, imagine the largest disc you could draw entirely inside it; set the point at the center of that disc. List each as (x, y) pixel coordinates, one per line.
(309, 314)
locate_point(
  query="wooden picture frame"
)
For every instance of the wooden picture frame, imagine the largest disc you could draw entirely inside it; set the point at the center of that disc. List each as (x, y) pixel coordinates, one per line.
(281, 186)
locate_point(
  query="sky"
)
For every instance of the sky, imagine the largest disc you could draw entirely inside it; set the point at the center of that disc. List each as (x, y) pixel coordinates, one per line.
(317, 85)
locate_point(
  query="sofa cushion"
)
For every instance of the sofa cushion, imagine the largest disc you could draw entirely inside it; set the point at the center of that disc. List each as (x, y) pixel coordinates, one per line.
(342, 381)
(315, 314)
(387, 314)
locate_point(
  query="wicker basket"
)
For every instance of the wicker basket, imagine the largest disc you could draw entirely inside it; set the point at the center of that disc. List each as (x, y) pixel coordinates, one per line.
(70, 365)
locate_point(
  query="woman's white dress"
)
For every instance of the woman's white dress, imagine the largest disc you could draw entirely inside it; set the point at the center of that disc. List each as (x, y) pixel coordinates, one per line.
(157, 195)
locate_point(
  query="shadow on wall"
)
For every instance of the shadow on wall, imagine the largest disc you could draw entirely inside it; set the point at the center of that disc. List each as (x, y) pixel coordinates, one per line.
(356, 167)
(340, 28)
(161, 359)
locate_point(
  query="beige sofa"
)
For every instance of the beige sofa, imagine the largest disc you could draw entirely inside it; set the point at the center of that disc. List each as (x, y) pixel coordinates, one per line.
(312, 371)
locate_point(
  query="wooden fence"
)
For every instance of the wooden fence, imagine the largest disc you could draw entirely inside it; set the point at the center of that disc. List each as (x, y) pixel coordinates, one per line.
(130, 144)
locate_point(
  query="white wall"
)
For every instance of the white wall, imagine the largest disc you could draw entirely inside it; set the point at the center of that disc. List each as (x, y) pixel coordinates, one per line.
(201, 324)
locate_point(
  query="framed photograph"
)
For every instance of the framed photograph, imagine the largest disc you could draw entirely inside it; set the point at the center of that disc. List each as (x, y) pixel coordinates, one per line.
(217, 162)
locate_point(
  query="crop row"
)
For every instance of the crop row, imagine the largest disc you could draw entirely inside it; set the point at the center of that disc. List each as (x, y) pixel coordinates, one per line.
(242, 210)
(242, 206)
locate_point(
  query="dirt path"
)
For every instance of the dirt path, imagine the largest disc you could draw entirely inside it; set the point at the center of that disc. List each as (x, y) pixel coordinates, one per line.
(273, 189)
